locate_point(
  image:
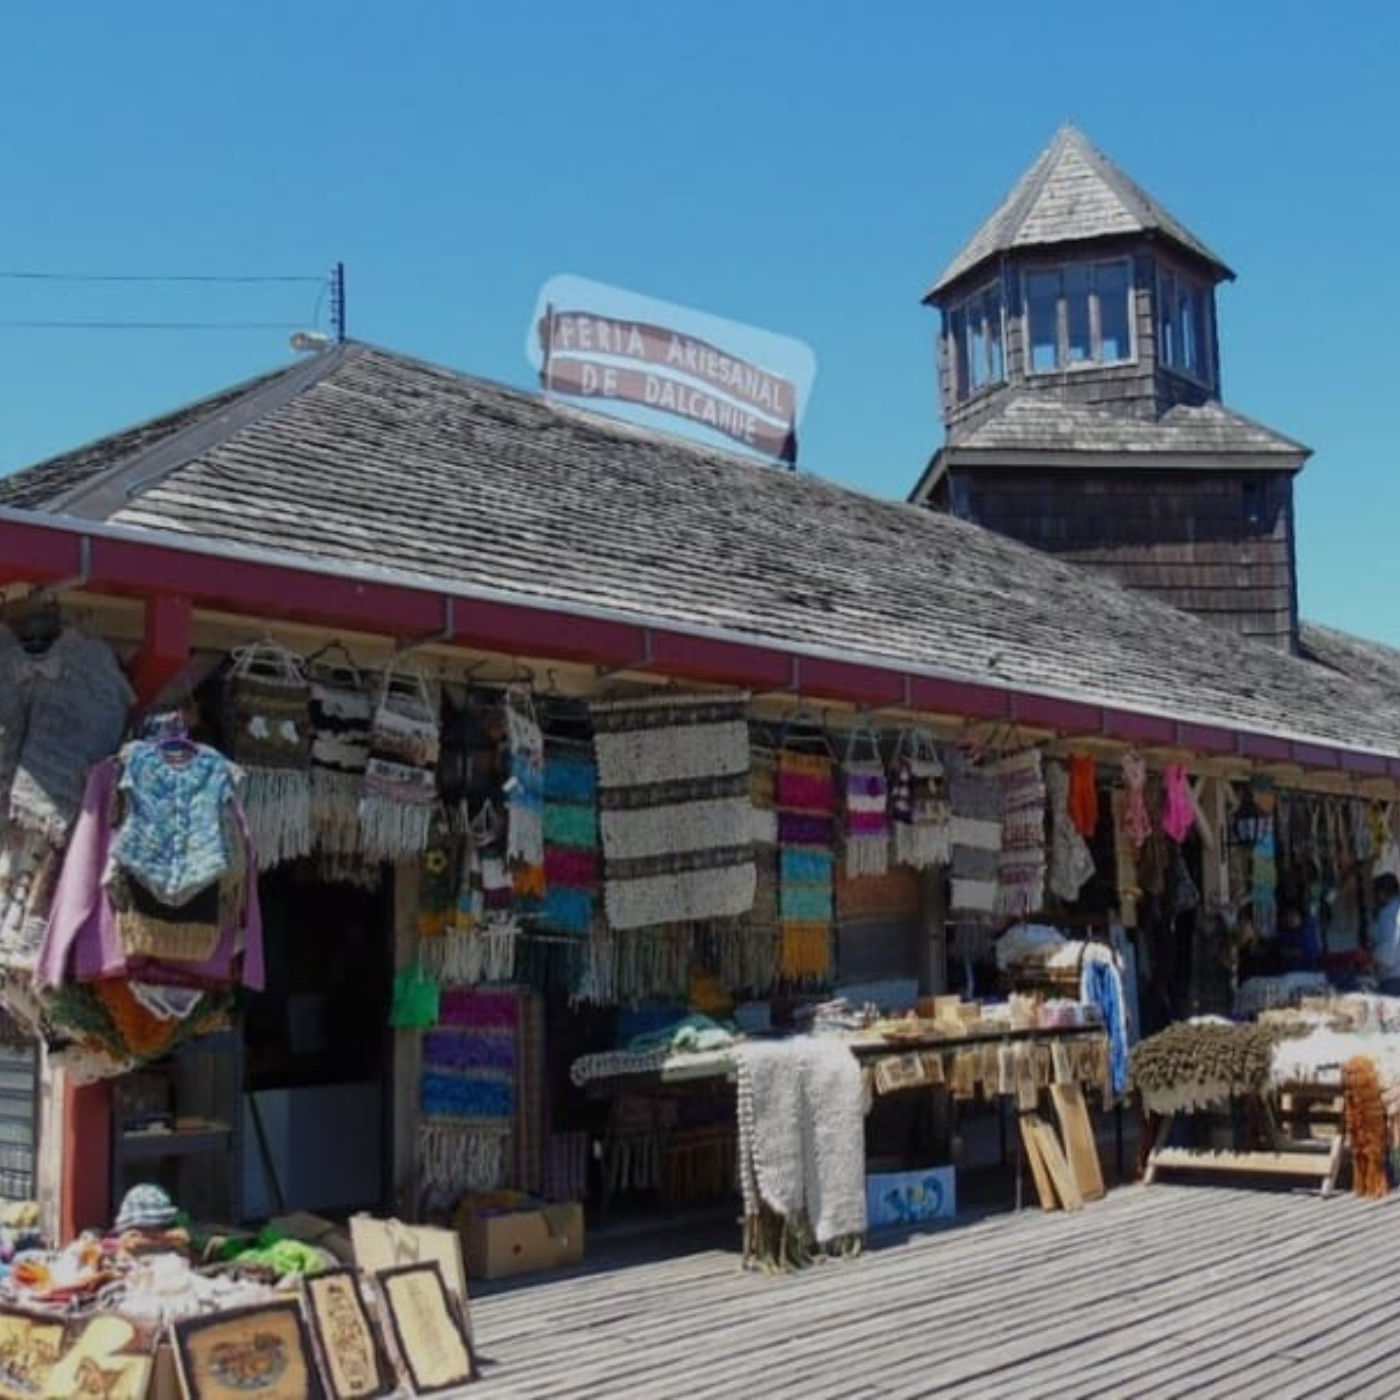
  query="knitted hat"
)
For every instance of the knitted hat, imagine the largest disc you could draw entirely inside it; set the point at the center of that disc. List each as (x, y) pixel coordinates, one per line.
(146, 1207)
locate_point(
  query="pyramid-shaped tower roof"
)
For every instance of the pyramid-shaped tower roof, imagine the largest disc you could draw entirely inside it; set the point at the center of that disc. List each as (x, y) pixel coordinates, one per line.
(1071, 193)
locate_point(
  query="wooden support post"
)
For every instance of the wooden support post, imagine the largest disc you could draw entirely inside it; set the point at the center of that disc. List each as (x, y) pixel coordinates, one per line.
(165, 647)
(85, 1170)
(406, 1055)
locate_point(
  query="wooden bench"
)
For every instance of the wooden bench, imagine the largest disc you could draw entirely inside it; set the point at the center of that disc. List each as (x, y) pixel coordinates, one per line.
(1299, 1131)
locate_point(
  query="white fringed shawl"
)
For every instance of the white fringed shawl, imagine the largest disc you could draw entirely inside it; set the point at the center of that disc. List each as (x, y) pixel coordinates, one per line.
(802, 1134)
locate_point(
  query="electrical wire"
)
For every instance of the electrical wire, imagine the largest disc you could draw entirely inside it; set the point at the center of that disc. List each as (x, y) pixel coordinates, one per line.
(18, 324)
(14, 276)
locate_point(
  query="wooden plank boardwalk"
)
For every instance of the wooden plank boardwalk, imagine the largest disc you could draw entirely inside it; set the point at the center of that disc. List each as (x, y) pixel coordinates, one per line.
(1169, 1290)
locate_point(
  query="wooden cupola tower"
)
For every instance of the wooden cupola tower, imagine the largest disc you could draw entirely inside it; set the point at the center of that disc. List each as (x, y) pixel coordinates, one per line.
(1079, 377)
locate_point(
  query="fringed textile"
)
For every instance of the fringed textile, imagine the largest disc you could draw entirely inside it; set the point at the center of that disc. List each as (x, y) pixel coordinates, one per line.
(866, 796)
(341, 708)
(1021, 862)
(525, 785)
(1366, 1128)
(277, 802)
(468, 1091)
(268, 733)
(572, 864)
(975, 796)
(400, 783)
(675, 813)
(1196, 1064)
(801, 1108)
(805, 791)
(459, 1157)
(919, 803)
(484, 951)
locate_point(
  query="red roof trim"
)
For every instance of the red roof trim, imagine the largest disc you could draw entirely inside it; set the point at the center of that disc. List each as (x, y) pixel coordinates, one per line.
(106, 559)
(1068, 716)
(1137, 728)
(1265, 746)
(1205, 738)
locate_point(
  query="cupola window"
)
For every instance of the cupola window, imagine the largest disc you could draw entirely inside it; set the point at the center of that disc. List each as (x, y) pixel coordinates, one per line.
(975, 329)
(1078, 314)
(1183, 318)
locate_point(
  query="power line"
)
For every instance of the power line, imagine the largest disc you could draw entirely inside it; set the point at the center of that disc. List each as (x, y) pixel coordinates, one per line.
(20, 276)
(8, 324)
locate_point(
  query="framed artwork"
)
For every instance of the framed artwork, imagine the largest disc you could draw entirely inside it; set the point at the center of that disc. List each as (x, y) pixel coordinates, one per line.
(105, 1356)
(348, 1345)
(30, 1347)
(427, 1329)
(256, 1353)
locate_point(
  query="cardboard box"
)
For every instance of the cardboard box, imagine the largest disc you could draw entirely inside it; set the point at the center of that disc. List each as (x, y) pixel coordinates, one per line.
(910, 1198)
(523, 1241)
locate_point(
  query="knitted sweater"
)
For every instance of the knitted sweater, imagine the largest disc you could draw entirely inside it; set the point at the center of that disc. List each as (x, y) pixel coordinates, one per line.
(83, 942)
(60, 711)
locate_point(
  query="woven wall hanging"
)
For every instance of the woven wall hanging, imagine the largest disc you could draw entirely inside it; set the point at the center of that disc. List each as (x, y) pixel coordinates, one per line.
(865, 805)
(268, 733)
(805, 790)
(919, 803)
(675, 817)
(1021, 861)
(341, 707)
(400, 783)
(524, 792)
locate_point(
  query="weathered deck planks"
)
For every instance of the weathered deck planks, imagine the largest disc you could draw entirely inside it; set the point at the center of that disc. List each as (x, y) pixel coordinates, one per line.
(1169, 1290)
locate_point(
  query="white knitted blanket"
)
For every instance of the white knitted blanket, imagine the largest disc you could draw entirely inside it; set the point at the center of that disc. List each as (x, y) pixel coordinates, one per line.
(802, 1133)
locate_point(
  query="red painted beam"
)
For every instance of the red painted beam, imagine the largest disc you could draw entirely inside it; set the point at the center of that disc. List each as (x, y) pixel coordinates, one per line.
(165, 647)
(749, 666)
(34, 555)
(1069, 717)
(1265, 746)
(1371, 764)
(1138, 729)
(524, 629)
(959, 698)
(1315, 755)
(860, 684)
(1205, 738)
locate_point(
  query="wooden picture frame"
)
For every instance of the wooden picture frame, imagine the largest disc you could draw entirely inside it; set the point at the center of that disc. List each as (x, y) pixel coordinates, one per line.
(349, 1347)
(427, 1328)
(31, 1345)
(254, 1353)
(105, 1355)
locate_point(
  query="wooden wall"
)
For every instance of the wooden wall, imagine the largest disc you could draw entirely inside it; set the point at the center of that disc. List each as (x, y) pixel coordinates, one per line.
(1216, 544)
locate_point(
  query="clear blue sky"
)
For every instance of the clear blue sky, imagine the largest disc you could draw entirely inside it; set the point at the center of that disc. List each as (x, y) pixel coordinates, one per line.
(804, 167)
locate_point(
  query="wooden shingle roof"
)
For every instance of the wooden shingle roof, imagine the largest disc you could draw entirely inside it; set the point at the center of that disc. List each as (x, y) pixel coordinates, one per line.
(363, 457)
(1046, 424)
(1071, 193)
